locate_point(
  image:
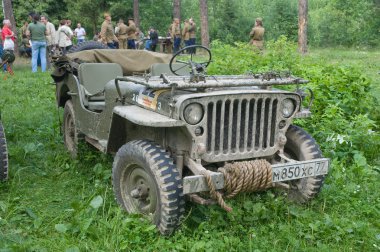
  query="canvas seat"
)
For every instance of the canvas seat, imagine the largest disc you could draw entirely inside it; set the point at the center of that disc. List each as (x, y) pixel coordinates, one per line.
(158, 68)
(93, 78)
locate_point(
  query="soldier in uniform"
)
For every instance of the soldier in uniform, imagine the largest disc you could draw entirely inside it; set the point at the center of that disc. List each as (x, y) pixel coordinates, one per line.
(257, 34)
(131, 34)
(186, 33)
(107, 34)
(24, 28)
(192, 31)
(122, 34)
(176, 35)
(169, 42)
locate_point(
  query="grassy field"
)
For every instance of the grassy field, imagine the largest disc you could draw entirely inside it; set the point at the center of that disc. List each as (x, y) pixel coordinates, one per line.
(53, 203)
(370, 60)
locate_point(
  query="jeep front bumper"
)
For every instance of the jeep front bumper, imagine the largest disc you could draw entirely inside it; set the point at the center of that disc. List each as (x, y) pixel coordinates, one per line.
(280, 172)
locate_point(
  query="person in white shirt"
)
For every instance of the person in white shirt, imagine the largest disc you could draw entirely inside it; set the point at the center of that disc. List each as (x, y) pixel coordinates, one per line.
(50, 38)
(80, 33)
(64, 35)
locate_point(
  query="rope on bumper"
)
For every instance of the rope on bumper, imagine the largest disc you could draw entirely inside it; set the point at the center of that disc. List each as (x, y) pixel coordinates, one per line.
(246, 176)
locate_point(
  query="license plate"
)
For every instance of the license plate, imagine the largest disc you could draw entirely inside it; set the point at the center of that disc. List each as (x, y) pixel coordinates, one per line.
(302, 169)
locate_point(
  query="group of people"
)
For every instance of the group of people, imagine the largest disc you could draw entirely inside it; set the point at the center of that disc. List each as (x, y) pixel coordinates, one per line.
(128, 36)
(39, 37)
(187, 33)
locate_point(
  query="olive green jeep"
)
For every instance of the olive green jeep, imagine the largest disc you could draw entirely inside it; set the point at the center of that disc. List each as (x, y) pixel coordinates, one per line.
(180, 135)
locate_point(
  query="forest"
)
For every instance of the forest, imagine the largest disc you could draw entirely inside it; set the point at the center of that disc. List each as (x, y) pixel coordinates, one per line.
(331, 22)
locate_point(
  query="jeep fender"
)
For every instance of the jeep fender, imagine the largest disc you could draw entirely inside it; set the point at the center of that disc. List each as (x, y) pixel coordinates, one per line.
(132, 122)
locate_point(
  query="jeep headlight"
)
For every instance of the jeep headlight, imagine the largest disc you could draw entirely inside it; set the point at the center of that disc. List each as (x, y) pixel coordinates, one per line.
(193, 113)
(287, 107)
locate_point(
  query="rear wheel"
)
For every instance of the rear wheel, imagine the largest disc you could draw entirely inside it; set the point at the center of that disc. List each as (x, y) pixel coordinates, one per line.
(3, 155)
(301, 146)
(70, 129)
(146, 181)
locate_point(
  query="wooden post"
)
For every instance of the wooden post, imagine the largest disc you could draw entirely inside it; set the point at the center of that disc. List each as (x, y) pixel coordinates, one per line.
(177, 9)
(204, 23)
(302, 26)
(136, 13)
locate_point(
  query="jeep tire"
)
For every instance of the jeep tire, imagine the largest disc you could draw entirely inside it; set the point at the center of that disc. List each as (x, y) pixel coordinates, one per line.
(70, 130)
(3, 155)
(301, 146)
(146, 181)
(87, 45)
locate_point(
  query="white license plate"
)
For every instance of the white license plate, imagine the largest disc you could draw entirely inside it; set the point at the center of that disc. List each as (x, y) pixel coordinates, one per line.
(302, 169)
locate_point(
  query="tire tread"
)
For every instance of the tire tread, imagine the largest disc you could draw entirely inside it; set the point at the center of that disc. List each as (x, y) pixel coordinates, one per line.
(166, 174)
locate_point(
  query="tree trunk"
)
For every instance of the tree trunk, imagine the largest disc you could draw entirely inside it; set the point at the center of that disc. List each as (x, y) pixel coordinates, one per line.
(204, 23)
(136, 14)
(177, 9)
(302, 26)
(8, 14)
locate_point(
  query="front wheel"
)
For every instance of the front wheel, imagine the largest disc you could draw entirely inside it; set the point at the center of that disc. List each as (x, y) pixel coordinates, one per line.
(3, 155)
(146, 181)
(301, 146)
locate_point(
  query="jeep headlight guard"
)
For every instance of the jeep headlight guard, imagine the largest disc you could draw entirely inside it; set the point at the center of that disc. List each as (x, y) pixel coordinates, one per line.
(193, 113)
(287, 107)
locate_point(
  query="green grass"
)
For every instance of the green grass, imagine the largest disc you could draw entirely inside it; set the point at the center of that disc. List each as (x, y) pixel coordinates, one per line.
(53, 203)
(369, 60)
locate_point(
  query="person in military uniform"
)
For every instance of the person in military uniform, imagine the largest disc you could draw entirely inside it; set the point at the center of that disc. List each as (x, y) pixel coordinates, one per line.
(107, 35)
(131, 34)
(24, 28)
(257, 34)
(176, 35)
(122, 34)
(186, 33)
(192, 31)
(169, 42)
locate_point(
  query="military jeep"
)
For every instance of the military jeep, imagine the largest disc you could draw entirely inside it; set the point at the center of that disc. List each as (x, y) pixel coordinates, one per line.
(179, 134)
(3, 154)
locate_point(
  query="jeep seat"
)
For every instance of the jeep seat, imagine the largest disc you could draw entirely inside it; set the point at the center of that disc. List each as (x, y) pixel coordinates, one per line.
(159, 68)
(93, 77)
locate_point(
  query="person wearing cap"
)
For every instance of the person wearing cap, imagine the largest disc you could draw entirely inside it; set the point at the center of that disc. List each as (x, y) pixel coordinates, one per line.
(131, 34)
(186, 33)
(192, 31)
(107, 34)
(122, 34)
(257, 34)
(176, 35)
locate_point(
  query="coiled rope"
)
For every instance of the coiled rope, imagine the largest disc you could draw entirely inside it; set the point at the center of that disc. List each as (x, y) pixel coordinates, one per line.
(246, 176)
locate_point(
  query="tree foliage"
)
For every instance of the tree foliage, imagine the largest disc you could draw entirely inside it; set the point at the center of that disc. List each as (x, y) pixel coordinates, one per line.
(331, 22)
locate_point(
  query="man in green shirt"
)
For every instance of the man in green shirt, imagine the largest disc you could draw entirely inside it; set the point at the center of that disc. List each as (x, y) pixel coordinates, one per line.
(37, 32)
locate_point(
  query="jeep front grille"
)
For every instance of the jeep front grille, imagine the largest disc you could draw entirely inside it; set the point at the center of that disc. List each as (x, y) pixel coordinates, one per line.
(241, 126)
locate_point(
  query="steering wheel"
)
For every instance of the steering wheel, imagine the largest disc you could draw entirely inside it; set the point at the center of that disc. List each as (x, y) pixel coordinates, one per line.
(195, 57)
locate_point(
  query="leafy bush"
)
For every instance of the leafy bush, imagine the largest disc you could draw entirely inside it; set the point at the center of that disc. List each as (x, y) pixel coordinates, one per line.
(344, 110)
